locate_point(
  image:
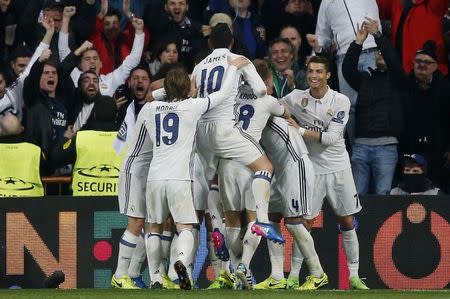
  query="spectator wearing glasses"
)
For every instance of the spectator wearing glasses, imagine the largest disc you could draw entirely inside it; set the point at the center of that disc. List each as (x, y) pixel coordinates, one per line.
(427, 110)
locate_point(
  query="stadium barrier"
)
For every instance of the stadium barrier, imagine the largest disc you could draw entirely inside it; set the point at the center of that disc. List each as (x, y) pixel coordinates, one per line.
(404, 243)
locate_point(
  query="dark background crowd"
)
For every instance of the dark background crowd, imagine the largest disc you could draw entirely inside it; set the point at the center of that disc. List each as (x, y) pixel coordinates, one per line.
(393, 66)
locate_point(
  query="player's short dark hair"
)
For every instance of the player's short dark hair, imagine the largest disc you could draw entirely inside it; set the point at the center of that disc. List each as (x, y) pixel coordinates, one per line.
(221, 36)
(177, 84)
(321, 60)
(262, 68)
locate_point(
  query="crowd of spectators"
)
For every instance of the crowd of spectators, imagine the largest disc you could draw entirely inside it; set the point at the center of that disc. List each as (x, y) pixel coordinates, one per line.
(64, 67)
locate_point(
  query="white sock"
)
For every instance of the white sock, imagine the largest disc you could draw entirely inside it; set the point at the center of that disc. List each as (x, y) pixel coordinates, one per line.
(215, 262)
(296, 261)
(166, 240)
(261, 193)
(195, 234)
(250, 244)
(351, 248)
(306, 244)
(173, 258)
(214, 208)
(276, 254)
(127, 245)
(185, 248)
(138, 258)
(234, 245)
(153, 246)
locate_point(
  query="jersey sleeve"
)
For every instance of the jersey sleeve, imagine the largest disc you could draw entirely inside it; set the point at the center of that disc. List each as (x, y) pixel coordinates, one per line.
(337, 124)
(275, 108)
(254, 80)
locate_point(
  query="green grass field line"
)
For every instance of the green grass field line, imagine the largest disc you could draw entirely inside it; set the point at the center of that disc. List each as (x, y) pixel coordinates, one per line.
(217, 294)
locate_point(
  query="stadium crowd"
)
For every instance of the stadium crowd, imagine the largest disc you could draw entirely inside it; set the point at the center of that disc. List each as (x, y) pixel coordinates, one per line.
(71, 66)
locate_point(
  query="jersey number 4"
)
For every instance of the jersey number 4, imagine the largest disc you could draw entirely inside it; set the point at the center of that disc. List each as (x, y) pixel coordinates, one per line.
(169, 125)
(212, 82)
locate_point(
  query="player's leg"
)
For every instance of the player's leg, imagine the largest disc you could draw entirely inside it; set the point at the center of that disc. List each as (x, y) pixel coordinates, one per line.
(181, 205)
(343, 198)
(276, 279)
(127, 244)
(138, 258)
(153, 232)
(296, 265)
(263, 170)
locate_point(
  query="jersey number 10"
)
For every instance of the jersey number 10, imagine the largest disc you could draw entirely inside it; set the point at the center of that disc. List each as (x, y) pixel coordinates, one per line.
(169, 125)
(211, 85)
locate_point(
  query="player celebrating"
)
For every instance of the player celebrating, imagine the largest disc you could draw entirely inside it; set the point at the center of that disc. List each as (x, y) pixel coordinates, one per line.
(235, 179)
(171, 126)
(218, 138)
(322, 114)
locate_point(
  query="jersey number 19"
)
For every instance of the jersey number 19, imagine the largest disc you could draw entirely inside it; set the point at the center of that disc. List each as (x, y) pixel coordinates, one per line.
(169, 125)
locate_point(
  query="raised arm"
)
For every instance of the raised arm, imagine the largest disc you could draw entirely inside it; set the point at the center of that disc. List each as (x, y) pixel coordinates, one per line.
(119, 75)
(63, 38)
(350, 63)
(323, 28)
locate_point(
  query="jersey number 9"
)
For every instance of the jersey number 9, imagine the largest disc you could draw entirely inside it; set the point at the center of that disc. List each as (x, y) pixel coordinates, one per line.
(169, 125)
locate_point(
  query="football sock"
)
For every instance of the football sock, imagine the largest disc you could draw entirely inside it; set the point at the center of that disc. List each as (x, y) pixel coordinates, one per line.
(138, 258)
(276, 254)
(127, 245)
(250, 244)
(351, 248)
(234, 244)
(261, 192)
(306, 244)
(296, 261)
(153, 246)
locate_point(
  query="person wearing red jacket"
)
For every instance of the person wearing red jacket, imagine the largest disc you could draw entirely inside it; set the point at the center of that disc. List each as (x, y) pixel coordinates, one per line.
(113, 45)
(413, 23)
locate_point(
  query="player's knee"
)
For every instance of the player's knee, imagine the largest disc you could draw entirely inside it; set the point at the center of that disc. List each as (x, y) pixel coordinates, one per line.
(135, 225)
(347, 222)
(275, 217)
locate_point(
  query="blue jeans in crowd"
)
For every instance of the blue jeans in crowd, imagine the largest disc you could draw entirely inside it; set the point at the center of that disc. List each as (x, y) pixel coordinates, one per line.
(366, 60)
(374, 166)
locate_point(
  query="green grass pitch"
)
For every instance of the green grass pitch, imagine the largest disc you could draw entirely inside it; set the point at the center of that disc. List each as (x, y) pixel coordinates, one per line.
(217, 294)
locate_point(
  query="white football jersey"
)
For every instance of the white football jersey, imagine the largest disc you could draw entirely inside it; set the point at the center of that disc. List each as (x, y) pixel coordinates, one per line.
(327, 115)
(252, 113)
(282, 143)
(209, 75)
(171, 127)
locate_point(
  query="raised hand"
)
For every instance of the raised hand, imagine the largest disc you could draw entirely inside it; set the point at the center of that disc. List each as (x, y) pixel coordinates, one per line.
(69, 11)
(138, 25)
(85, 46)
(103, 9)
(372, 26)
(361, 33)
(45, 55)
(313, 42)
(49, 25)
(127, 8)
